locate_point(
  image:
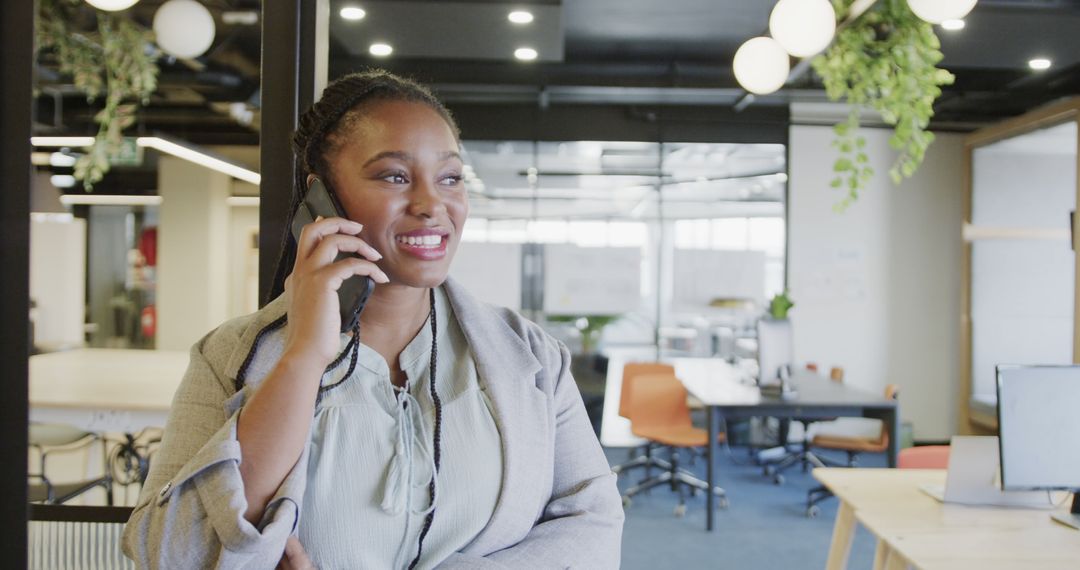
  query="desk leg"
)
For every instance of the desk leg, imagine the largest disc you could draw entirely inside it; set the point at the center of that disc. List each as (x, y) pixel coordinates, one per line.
(891, 418)
(843, 532)
(892, 421)
(895, 561)
(881, 554)
(710, 467)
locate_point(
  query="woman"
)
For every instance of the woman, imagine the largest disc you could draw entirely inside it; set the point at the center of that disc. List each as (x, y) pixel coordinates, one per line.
(439, 432)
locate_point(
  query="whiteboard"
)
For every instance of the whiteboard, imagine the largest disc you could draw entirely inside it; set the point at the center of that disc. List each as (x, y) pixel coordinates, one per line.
(702, 275)
(591, 280)
(490, 271)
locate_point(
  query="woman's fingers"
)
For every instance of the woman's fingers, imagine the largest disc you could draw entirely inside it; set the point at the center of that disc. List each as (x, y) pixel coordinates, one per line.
(336, 273)
(295, 557)
(314, 233)
(330, 246)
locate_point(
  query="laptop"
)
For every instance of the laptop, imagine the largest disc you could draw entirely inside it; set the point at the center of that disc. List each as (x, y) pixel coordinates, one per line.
(974, 477)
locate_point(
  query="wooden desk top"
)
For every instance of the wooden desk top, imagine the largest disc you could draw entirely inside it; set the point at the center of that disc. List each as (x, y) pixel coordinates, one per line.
(136, 380)
(932, 535)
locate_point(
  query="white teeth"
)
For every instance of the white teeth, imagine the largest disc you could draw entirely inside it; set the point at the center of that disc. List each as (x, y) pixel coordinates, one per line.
(421, 241)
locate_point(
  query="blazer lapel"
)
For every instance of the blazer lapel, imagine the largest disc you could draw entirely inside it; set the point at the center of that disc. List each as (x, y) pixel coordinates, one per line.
(507, 369)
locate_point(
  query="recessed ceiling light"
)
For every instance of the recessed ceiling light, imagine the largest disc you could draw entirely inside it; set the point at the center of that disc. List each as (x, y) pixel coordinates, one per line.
(1039, 63)
(381, 50)
(520, 17)
(952, 25)
(353, 13)
(525, 54)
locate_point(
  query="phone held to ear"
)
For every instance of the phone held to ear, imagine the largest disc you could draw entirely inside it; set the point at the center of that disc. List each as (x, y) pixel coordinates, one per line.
(354, 292)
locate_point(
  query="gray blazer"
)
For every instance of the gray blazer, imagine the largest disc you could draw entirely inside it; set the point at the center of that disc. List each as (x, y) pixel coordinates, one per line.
(558, 507)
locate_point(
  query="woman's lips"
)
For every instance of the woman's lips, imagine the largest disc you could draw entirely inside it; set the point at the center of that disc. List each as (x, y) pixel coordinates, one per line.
(424, 245)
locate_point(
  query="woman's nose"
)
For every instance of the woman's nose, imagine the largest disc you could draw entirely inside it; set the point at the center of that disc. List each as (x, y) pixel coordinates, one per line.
(425, 200)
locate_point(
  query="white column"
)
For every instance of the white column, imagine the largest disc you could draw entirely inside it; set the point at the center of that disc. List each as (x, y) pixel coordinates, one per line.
(193, 243)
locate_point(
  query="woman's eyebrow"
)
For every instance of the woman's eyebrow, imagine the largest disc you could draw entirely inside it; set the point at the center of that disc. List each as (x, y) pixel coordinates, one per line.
(406, 157)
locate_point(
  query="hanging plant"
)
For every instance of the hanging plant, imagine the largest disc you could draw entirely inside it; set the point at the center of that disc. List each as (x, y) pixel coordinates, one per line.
(115, 62)
(885, 59)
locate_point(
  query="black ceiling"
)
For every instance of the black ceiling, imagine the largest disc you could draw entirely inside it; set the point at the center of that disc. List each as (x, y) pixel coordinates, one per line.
(644, 57)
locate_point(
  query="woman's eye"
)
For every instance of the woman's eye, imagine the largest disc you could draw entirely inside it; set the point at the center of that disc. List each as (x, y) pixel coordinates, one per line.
(452, 180)
(395, 178)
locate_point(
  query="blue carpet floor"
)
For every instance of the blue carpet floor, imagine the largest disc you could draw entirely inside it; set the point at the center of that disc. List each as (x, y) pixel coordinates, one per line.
(764, 528)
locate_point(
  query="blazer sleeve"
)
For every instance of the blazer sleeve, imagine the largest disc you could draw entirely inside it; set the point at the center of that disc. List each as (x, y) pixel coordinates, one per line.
(190, 512)
(581, 525)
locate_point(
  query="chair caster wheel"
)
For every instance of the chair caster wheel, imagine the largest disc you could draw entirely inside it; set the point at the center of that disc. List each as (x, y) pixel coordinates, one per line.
(813, 511)
(626, 502)
(680, 511)
(778, 479)
(722, 503)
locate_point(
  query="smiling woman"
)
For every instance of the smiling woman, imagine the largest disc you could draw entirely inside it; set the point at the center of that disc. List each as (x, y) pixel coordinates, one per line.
(439, 431)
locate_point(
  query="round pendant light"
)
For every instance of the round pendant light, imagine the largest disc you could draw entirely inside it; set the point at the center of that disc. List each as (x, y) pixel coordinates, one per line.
(937, 11)
(112, 5)
(761, 65)
(184, 28)
(803, 27)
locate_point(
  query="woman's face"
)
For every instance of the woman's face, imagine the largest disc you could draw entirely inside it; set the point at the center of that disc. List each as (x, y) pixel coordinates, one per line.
(398, 172)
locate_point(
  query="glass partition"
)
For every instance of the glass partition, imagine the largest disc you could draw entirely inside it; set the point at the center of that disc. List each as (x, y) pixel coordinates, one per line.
(1022, 261)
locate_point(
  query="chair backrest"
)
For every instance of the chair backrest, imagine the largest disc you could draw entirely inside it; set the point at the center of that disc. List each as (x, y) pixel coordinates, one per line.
(631, 369)
(63, 537)
(658, 400)
(924, 457)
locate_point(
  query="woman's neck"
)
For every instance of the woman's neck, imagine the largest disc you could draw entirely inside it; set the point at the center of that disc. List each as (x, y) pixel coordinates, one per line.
(391, 318)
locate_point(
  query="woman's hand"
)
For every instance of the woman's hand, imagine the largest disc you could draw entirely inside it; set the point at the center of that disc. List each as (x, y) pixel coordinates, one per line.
(311, 288)
(295, 557)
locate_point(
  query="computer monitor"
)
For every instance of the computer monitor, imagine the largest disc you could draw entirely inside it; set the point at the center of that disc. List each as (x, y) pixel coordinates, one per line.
(774, 348)
(1039, 426)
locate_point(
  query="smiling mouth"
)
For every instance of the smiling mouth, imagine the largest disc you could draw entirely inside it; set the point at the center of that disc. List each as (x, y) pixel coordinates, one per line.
(423, 242)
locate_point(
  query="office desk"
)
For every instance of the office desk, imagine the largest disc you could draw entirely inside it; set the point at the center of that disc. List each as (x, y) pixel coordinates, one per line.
(723, 390)
(914, 529)
(105, 389)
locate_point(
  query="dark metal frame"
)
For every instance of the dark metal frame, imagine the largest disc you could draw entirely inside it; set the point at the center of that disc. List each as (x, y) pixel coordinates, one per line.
(289, 42)
(16, 59)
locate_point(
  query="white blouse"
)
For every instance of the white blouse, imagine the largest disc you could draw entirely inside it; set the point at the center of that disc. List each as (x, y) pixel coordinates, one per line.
(371, 458)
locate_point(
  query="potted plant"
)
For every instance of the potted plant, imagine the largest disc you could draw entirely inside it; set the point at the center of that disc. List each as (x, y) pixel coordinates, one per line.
(779, 306)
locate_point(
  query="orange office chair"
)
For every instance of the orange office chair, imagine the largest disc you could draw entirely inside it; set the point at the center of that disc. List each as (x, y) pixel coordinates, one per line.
(836, 437)
(924, 457)
(659, 413)
(645, 456)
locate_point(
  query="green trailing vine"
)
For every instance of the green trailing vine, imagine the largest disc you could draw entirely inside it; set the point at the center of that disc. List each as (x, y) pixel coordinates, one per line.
(885, 59)
(113, 62)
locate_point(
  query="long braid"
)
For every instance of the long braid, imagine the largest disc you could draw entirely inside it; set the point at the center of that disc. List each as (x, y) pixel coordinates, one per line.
(436, 435)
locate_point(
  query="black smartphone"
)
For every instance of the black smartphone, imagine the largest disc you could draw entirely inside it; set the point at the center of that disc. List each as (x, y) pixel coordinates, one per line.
(354, 292)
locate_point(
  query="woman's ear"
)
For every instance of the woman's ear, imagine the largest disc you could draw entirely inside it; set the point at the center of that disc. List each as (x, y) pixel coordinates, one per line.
(310, 178)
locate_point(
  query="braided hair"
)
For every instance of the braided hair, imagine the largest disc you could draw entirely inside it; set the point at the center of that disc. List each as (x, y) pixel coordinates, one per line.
(323, 129)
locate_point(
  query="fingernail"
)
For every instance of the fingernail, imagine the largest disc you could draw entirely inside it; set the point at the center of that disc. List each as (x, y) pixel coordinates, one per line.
(318, 218)
(385, 279)
(358, 225)
(378, 255)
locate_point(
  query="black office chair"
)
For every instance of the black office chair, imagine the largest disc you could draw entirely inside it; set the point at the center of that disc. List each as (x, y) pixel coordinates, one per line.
(47, 439)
